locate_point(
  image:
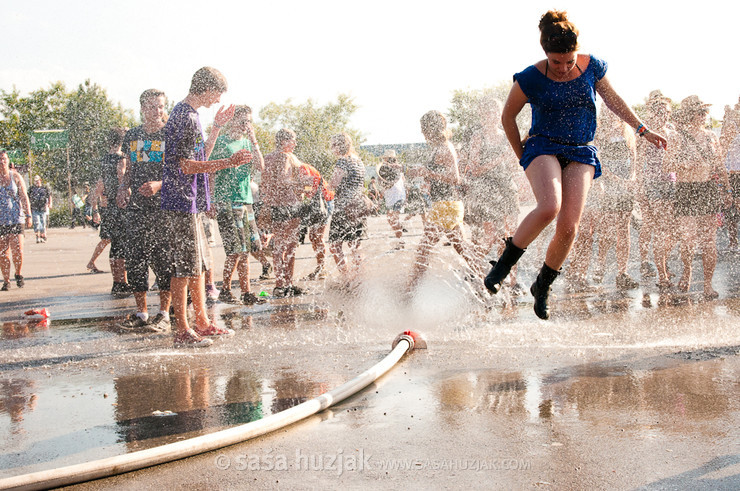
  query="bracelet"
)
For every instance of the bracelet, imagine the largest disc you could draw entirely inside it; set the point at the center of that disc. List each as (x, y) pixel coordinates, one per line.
(217, 126)
(642, 130)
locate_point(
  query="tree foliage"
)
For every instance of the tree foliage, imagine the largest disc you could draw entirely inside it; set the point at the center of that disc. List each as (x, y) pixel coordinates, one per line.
(313, 125)
(86, 113)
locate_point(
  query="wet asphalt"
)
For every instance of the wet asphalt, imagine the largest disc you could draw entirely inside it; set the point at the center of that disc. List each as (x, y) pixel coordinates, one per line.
(619, 390)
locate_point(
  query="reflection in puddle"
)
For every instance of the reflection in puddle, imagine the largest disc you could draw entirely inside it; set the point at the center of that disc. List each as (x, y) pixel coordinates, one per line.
(673, 393)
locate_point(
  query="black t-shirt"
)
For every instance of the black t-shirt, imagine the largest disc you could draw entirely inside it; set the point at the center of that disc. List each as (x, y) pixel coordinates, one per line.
(109, 175)
(39, 197)
(145, 152)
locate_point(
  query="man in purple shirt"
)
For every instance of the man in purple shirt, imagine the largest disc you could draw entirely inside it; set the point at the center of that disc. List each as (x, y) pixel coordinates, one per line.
(185, 197)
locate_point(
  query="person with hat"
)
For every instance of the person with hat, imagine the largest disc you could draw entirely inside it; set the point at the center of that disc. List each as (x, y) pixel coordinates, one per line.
(390, 173)
(693, 154)
(656, 194)
(40, 196)
(730, 146)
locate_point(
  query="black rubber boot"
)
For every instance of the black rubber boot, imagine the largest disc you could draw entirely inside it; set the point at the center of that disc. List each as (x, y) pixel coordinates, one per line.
(502, 267)
(541, 290)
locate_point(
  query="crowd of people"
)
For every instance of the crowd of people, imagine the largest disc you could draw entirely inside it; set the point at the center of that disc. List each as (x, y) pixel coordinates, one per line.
(163, 182)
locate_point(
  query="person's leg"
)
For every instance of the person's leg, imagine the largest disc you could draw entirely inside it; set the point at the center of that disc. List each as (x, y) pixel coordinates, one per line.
(16, 247)
(465, 250)
(607, 233)
(622, 247)
(316, 236)
(429, 239)
(707, 234)
(647, 230)
(580, 258)
(664, 240)
(243, 270)
(687, 231)
(197, 288)
(576, 181)
(5, 257)
(394, 220)
(294, 227)
(179, 292)
(546, 180)
(230, 265)
(97, 252)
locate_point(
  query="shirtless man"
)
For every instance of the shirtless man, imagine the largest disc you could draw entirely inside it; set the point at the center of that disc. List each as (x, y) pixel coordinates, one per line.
(281, 189)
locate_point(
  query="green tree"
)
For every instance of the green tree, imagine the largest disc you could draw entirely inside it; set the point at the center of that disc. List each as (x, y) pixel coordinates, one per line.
(88, 116)
(313, 125)
(463, 114)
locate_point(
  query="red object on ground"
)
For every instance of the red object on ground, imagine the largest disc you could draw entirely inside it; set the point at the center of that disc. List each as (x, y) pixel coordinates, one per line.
(38, 313)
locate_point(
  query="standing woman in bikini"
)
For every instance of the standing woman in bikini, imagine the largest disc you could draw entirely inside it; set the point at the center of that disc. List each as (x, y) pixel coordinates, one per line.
(558, 158)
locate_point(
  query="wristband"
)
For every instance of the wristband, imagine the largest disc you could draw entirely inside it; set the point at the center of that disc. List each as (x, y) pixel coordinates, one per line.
(642, 130)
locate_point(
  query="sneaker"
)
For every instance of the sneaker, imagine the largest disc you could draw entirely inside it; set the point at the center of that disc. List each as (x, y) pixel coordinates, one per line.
(647, 270)
(159, 323)
(6, 286)
(266, 270)
(212, 292)
(317, 274)
(624, 282)
(294, 291)
(250, 298)
(19, 281)
(280, 292)
(191, 339)
(227, 297)
(133, 323)
(213, 330)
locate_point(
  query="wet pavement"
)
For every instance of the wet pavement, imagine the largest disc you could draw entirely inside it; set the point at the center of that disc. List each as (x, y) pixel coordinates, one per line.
(618, 390)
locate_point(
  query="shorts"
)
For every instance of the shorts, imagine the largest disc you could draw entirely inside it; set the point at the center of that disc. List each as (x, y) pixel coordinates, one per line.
(732, 213)
(616, 199)
(540, 145)
(285, 213)
(234, 228)
(398, 206)
(190, 257)
(149, 245)
(343, 229)
(660, 190)
(39, 221)
(696, 198)
(112, 225)
(447, 215)
(13, 229)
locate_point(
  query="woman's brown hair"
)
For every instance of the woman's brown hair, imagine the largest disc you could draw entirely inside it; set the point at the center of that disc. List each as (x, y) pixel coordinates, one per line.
(557, 33)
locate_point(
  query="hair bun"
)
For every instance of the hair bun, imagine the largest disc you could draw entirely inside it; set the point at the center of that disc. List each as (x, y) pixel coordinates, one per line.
(553, 17)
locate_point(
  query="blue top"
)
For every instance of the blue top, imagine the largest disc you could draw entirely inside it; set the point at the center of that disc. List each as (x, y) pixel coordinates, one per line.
(563, 111)
(10, 204)
(183, 137)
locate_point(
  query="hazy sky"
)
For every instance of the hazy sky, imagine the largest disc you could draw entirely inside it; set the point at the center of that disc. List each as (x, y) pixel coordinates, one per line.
(398, 59)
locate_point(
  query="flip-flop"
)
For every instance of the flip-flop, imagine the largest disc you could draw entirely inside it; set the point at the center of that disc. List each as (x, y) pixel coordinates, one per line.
(94, 270)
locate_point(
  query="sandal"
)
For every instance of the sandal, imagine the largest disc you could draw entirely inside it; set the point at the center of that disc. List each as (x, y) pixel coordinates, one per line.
(190, 339)
(94, 269)
(213, 330)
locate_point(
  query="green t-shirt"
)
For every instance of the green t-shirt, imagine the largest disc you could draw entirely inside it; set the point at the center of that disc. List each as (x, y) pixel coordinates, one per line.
(232, 185)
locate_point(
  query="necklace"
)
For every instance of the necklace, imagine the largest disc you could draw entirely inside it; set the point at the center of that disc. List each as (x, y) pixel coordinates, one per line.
(547, 68)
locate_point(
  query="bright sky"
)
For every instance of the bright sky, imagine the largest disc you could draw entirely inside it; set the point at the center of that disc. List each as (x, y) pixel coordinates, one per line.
(398, 59)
